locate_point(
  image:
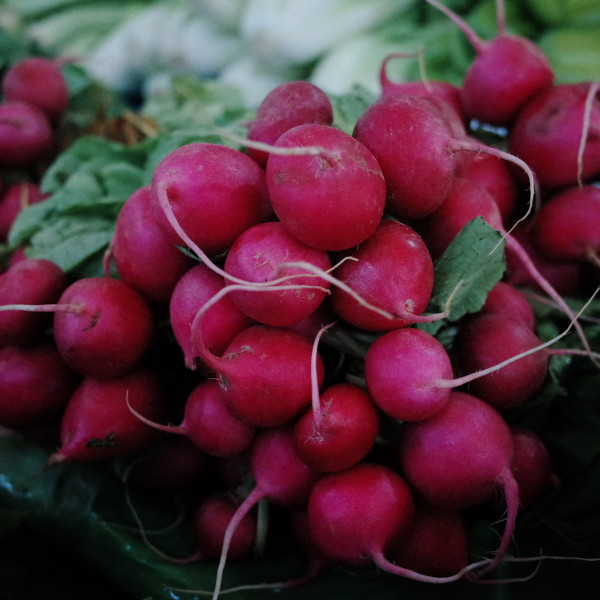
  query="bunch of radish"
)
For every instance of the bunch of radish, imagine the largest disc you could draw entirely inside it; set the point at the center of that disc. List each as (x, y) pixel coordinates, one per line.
(240, 263)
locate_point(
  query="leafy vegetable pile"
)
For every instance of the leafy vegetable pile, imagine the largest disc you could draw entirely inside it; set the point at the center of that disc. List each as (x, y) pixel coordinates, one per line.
(342, 343)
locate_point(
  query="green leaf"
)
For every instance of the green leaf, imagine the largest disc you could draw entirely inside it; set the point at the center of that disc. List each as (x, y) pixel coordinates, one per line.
(468, 269)
(347, 108)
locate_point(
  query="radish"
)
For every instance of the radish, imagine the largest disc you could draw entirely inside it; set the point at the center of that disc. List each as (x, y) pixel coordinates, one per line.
(143, 254)
(208, 423)
(265, 374)
(567, 226)
(13, 200)
(404, 373)
(289, 104)
(331, 201)
(436, 543)
(35, 384)
(97, 423)
(460, 458)
(30, 281)
(280, 477)
(211, 520)
(343, 434)
(259, 255)
(356, 515)
(506, 299)
(216, 190)
(39, 81)
(493, 90)
(102, 326)
(488, 339)
(556, 133)
(26, 135)
(532, 466)
(220, 323)
(391, 270)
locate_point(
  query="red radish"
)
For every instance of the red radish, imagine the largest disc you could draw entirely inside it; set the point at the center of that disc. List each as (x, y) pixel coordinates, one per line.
(356, 515)
(26, 135)
(506, 299)
(442, 90)
(39, 81)
(265, 374)
(403, 372)
(211, 519)
(143, 254)
(208, 423)
(567, 226)
(215, 190)
(436, 543)
(220, 323)
(29, 281)
(553, 128)
(532, 466)
(175, 463)
(14, 199)
(493, 90)
(97, 423)
(565, 277)
(332, 200)
(285, 106)
(345, 432)
(466, 431)
(488, 339)
(403, 131)
(102, 326)
(495, 176)
(35, 384)
(391, 270)
(280, 477)
(465, 201)
(260, 254)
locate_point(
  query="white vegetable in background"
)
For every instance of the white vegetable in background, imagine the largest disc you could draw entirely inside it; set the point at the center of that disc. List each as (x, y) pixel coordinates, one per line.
(254, 78)
(299, 31)
(358, 61)
(166, 36)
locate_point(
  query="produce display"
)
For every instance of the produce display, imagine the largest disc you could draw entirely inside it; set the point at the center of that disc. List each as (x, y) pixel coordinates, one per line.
(308, 334)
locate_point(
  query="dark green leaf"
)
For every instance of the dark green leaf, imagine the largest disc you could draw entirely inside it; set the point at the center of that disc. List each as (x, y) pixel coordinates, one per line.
(347, 108)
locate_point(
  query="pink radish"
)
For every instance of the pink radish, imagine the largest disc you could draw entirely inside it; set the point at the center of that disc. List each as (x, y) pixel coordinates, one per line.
(332, 200)
(345, 432)
(208, 423)
(143, 254)
(102, 326)
(31, 281)
(265, 374)
(557, 134)
(285, 106)
(436, 543)
(392, 270)
(466, 431)
(220, 323)
(356, 515)
(216, 190)
(493, 90)
(35, 384)
(97, 423)
(488, 339)
(26, 135)
(39, 81)
(259, 255)
(506, 299)
(567, 226)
